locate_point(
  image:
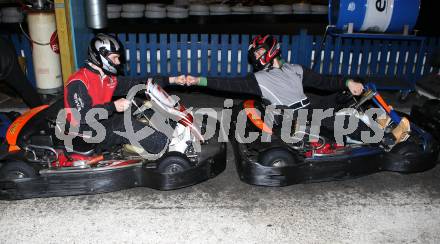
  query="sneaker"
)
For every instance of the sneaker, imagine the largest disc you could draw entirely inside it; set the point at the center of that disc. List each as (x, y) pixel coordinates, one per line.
(401, 132)
(383, 121)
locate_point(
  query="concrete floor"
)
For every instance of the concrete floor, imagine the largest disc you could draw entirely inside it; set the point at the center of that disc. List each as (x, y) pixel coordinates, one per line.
(380, 208)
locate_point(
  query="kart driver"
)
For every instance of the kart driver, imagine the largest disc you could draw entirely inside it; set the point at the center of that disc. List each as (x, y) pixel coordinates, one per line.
(281, 83)
(95, 85)
(11, 73)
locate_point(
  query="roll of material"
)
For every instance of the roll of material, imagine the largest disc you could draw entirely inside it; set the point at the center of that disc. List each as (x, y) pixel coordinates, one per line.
(114, 8)
(177, 9)
(155, 14)
(132, 15)
(301, 7)
(11, 11)
(96, 13)
(261, 9)
(12, 19)
(155, 7)
(114, 15)
(219, 8)
(199, 8)
(282, 8)
(240, 9)
(133, 7)
(199, 13)
(177, 15)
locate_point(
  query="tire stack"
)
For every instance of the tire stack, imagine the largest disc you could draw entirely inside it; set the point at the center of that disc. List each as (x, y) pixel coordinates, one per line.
(11, 15)
(133, 10)
(199, 13)
(114, 11)
(177, 13)
(155, 12)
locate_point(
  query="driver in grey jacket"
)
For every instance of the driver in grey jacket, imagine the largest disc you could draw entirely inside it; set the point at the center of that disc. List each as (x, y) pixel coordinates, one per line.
(280, 83)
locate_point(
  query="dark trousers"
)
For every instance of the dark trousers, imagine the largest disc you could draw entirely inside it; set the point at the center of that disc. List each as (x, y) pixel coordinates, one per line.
(11, 73)
(328, 123)
(153, 143)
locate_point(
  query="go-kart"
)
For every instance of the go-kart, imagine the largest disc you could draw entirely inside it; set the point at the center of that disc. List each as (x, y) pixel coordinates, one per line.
(279, 163)
(35, 163)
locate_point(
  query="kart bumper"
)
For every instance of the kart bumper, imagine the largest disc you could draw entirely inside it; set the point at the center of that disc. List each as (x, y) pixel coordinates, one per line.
(109, 180)
(361, 161)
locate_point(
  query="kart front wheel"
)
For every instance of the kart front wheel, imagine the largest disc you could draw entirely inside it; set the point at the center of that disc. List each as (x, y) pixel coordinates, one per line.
(276, 157)
(173, 164)
(17, 170)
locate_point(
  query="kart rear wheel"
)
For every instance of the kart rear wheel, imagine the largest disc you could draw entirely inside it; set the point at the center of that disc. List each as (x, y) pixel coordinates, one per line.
(173, 164)
(407, 149)
(17, 170)
(277, 157)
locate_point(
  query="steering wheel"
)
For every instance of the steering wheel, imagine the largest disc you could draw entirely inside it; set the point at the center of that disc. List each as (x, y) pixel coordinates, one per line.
(168, 105)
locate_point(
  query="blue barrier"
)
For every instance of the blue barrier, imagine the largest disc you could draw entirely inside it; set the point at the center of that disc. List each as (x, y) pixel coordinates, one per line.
(225, 55)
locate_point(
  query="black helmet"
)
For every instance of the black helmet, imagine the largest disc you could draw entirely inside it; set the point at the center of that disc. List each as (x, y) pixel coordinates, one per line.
(100, 47)
(272, 50)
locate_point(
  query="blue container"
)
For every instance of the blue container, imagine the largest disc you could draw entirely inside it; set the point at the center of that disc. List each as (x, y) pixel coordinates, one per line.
(5, 122)
(374, 15)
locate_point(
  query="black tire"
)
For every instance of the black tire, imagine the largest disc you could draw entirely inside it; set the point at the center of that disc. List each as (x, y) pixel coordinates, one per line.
(17, 170)
(173, 164)
(277, 157)
(407, 149)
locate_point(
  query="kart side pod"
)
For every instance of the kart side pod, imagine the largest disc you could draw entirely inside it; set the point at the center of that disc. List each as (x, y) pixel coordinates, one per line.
(277, 164)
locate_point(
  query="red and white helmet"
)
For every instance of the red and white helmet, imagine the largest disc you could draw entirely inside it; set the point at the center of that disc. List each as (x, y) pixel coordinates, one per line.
(271, 49)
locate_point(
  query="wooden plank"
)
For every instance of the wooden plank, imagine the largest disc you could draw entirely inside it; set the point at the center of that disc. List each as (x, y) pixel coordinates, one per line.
(243, 55)
(317, 55)
(122, 38)
(183, 53)
(152, 44)
(194, 55)
(383, 58)
(67, 58)
(143, 54)
(131, 46)
(173, 54)
(307, 51)
(395, 46)
(410, 64)
(403, 50)
(374, 69)
(234, 55)
(294, 50)
(327, 55)
(366, 49)
(224, 54)
(214, 58)
(355, 57)
(284, 46)
(336, 64)
(204, 57)
(419, 63)
(346, 56)
(163, 54)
